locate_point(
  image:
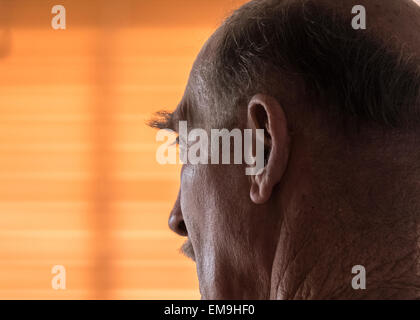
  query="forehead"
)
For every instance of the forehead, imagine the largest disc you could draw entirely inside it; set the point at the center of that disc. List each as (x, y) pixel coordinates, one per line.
(197, 105)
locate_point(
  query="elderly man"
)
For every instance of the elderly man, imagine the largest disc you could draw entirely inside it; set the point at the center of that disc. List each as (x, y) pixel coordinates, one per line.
(339, 195)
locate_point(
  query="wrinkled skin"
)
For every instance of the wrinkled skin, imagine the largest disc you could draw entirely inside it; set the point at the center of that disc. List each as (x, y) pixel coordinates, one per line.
(296, 231)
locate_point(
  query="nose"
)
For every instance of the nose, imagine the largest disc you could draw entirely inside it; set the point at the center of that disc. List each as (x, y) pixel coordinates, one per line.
(176, 220)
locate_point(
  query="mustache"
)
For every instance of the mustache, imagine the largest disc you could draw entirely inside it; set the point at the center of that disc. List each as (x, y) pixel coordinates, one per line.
(188, 250)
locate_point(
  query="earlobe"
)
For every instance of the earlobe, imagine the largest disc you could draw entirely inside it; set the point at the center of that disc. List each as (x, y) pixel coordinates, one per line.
(260, 191)
(265, 112)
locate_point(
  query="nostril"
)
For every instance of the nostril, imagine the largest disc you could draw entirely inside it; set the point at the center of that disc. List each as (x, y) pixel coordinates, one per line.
(182, 228)
(177, 224)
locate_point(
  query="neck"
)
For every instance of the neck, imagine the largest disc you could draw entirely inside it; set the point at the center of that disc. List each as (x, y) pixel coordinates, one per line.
(316, 260)
(328, 229)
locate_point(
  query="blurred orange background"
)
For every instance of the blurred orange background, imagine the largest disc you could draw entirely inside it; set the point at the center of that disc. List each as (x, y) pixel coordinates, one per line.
(79, 183)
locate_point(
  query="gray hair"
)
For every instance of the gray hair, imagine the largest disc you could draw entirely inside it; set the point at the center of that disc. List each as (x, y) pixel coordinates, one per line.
(351, 74)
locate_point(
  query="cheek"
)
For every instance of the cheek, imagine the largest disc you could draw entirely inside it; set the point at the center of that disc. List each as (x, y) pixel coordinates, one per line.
(200, 188)
(200, 205)
(211, 198)
(190, 187)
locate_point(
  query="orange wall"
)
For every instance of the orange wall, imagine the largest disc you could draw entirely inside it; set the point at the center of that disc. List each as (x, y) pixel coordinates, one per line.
(79, 184)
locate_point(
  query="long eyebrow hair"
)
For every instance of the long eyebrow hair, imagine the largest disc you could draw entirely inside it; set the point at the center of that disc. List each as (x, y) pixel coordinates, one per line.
(162, 120)
(169, 120)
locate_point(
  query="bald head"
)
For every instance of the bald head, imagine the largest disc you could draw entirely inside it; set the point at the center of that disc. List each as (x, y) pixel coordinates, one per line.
(309, 50)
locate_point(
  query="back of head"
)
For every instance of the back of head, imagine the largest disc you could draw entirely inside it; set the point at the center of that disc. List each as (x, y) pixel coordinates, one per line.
(351, 76)
(353, 94)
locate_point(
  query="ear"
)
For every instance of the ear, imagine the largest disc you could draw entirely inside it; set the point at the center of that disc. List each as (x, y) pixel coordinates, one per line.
(264, 112)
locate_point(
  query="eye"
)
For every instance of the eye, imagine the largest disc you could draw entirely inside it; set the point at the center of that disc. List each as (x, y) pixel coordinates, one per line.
(176, 142)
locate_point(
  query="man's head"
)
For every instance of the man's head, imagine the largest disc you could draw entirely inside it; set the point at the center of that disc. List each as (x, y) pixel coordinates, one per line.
(341, 112)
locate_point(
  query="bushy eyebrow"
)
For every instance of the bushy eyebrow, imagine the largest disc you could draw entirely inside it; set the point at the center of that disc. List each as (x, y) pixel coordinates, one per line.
(169, 120)
(162, 120)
